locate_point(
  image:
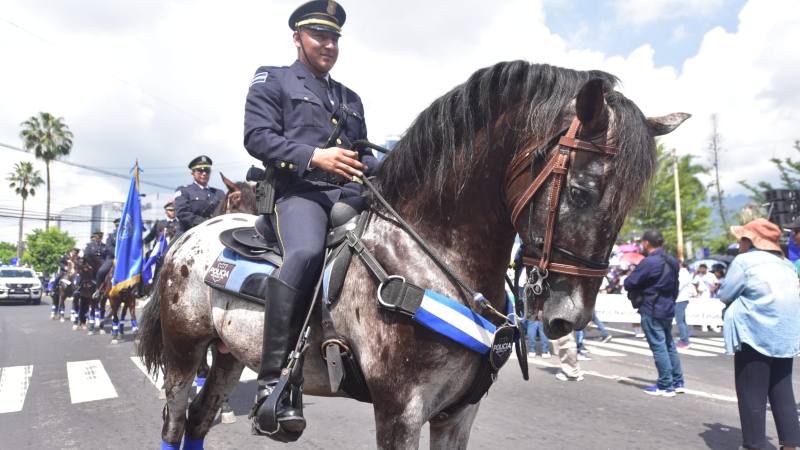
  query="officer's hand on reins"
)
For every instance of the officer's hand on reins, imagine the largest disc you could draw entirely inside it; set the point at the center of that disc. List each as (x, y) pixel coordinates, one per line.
(339, 161)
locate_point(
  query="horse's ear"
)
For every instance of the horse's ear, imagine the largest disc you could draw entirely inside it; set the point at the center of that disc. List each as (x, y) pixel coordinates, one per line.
(665, 124)
(232, 187)
(590, 104)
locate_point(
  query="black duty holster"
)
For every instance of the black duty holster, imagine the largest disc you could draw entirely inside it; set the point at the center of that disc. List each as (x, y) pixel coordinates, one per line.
(265, 180)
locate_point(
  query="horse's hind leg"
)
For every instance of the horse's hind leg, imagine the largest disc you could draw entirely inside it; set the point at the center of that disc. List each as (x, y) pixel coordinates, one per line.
(452, 432)
(177, 384)
(222, 378)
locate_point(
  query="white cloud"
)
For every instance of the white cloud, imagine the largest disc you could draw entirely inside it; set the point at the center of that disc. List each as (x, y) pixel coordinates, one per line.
(679, 33)
(170, 84)
(640, 12)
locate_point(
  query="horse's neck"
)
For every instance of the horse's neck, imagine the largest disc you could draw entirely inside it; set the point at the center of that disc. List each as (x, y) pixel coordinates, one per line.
(476, 251)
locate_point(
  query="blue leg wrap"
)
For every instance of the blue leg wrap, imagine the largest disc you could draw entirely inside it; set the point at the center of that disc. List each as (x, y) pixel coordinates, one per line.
(134, 324)
(167, 446)
(192, 444)
(52, 308)
(199, 382)
(114, 328)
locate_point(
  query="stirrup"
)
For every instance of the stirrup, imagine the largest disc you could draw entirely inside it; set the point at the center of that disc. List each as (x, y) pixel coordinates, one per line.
(268, 423)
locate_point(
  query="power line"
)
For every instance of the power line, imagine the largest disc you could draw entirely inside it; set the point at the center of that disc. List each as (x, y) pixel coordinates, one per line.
(94, 169)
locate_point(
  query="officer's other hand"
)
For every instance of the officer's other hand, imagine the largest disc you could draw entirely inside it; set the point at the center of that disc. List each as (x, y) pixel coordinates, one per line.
(338, 161)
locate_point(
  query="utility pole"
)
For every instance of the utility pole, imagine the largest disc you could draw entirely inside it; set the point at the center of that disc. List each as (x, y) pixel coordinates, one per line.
(678, 217)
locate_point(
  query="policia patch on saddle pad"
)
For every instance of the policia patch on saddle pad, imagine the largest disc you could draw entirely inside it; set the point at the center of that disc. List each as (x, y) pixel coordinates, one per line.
(239, 276)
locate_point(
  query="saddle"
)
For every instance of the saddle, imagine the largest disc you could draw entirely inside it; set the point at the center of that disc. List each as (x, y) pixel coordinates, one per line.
(254, 253)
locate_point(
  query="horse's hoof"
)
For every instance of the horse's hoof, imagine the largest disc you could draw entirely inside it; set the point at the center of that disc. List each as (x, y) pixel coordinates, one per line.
(84, 327)
(115, 341)
(74, 328)
(62, 320)
(102, 331)
(227, 417)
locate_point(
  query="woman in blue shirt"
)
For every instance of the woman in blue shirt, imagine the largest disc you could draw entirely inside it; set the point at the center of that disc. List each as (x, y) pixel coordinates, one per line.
(762, 330)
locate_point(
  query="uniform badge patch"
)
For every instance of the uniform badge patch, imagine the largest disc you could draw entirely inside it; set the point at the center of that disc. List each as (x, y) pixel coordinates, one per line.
(261, 77)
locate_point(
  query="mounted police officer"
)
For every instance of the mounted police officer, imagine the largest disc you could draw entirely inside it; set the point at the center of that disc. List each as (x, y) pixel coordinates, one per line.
(168, 225)
(299, 122)
(95, 247)
(196, 202)
(108, 259)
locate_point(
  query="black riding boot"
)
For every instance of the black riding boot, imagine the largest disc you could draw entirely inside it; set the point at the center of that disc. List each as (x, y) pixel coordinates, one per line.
(283, 317)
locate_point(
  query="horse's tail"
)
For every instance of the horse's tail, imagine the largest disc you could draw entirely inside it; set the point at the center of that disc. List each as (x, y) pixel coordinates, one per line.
(151, 345)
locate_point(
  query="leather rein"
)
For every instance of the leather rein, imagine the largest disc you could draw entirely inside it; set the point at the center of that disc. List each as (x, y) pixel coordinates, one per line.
(557, 167)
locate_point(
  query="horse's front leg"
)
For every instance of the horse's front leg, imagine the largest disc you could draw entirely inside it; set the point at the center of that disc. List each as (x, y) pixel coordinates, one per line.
(399, 421)
(114, 301)
(452, 432)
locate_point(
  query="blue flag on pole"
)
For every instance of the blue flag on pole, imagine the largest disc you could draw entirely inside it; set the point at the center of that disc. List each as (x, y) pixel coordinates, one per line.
(128, 253)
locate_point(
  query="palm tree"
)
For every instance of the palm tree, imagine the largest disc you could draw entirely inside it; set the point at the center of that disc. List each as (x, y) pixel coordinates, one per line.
(24, 180)
(49, 138)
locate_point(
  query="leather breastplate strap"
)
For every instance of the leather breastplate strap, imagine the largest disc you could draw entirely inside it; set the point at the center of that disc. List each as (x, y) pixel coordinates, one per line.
(557, 167)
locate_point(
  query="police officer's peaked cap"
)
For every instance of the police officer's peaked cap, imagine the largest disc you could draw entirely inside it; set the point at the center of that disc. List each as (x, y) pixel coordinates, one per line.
(201, 162)
(321, 15)
(116, 221)
(97, 233)
(169, 205)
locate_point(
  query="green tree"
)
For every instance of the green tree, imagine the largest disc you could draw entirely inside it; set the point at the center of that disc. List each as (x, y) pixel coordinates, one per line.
(7, 251)
(49, 138)
(45, 247)
(24, 179)
(656, 207)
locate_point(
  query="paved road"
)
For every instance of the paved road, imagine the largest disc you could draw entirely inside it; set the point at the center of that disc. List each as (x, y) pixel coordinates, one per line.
(47, 370)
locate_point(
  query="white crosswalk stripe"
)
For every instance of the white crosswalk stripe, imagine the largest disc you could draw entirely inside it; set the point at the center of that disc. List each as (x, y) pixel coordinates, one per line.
(89, 381)
(14, 382)
(623, 346)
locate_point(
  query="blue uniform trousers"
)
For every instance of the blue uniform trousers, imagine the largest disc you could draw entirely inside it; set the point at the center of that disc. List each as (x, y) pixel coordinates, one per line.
(301, 223)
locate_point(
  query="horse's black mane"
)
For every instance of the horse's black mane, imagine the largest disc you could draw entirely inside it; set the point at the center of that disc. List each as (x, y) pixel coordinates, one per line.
(452, 138)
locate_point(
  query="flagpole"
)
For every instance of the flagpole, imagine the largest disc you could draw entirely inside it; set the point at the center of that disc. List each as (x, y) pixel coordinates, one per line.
(678, 218)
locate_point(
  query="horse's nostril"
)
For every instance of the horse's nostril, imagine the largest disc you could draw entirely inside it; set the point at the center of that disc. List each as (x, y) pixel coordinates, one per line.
(560, 327)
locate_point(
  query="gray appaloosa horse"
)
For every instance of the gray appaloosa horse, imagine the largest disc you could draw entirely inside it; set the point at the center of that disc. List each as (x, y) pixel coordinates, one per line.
(449, 177)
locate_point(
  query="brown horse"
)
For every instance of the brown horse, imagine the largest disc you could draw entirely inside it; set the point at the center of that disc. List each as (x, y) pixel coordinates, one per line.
(65, 289)
(123, 298)
(456, 177)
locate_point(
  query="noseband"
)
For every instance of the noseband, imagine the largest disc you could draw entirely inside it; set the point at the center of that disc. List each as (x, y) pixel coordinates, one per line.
(557, 167)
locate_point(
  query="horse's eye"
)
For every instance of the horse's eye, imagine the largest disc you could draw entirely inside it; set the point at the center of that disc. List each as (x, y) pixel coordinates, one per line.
(579, 197)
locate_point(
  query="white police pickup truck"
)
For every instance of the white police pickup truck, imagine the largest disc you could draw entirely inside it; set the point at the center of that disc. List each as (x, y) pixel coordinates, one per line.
(20, 283)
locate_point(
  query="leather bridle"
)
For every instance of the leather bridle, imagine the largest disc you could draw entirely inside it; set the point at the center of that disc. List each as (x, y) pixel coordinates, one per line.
(557, 167)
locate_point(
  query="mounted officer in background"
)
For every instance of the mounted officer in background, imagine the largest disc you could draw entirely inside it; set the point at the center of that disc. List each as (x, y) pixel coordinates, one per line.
(168, 225)
(108, 261)
(300, 123)
(95, 247)
(194, 203)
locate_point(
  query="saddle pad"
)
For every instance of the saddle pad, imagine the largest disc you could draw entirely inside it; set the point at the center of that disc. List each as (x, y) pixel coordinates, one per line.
(230, 272)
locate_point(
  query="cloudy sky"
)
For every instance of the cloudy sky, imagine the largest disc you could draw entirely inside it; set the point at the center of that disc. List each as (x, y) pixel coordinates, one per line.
(163, 81)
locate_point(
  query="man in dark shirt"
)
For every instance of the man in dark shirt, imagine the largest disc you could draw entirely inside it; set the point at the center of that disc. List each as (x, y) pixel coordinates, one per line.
(656, 280)
(301, 122)
(196, 202)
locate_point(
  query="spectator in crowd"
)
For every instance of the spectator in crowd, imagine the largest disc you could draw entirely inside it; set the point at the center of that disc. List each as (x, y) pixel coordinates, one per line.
(583, 352)
(567, 351)
(536, 328)
(686, 292)
(706, 284)
(762, 330)
(656, 280)
(718, 270)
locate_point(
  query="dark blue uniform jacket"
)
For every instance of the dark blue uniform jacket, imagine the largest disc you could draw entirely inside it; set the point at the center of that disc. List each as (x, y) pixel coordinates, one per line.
(194, 204)
(289, 113)
(657, 277)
